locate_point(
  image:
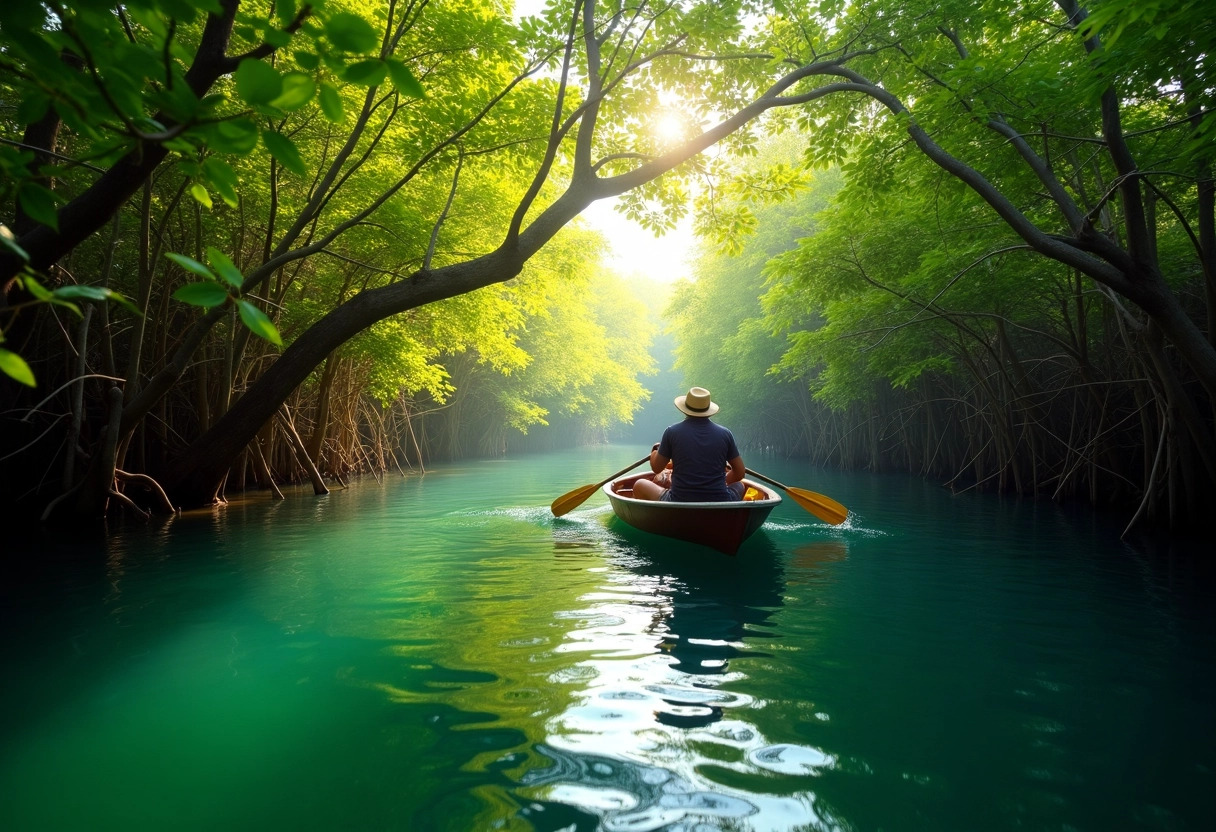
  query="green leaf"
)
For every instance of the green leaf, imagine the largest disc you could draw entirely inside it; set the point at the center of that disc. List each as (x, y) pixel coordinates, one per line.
(180, 145)
(223, 178)
(178, 9)
(367, 73)
(404, 80)
(63, 294)
(351, 33)
(331, 103)
(99, 293)
(35, 288)
(9, 241)
(276, 37)
(121, 300)
(258, 82)
(283, 149)
(191, 265)
(39, 203)
(178, 100)
(82, 293)
(258, 323)
(285, 10)
(205, 294)
(308, 60)
(298, 90)
(66, 304)
(200, 195)
(224, 266)
(14, 367)
(237, 136)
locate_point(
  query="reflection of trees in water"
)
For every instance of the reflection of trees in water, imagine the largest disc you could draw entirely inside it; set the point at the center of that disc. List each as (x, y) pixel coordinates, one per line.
(663, 741)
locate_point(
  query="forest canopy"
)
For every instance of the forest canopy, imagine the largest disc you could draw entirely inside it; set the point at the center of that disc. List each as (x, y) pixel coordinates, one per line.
(233, 221)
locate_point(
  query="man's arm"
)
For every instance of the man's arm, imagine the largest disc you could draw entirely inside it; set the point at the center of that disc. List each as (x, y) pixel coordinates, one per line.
(657, 461)
(736, 472)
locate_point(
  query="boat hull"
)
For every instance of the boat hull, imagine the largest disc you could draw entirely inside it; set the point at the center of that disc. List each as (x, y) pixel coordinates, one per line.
(721, 526)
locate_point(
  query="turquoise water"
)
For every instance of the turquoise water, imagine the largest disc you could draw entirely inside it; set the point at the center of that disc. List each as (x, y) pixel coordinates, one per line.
(439, 653)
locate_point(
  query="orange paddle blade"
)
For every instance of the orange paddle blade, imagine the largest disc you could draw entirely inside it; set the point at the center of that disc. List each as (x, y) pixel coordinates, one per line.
(573, 499)
(825, 508)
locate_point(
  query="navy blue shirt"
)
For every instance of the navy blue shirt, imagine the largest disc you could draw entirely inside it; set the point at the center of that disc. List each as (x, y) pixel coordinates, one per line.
(699, 450)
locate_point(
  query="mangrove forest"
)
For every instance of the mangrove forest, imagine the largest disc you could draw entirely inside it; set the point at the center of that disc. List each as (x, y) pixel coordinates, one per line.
(254, 242)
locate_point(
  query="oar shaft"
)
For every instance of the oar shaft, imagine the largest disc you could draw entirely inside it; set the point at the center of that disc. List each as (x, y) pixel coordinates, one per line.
(574, 498)
(623, 471)
(768, 480)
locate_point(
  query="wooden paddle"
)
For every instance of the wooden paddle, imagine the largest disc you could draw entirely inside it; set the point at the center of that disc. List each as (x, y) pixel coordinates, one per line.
(825, 508)
(573, 499)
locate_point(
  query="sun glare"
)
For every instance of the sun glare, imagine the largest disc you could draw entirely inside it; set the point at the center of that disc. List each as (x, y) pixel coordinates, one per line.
(668, 127)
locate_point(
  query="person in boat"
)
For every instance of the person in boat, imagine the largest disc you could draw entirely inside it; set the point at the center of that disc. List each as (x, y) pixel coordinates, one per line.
(700, 451)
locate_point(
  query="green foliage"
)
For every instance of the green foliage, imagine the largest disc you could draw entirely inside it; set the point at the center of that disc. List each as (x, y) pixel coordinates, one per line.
(352, 147)
(131, 90)
(258, 323)
(584, 335)
(191, 265)
(211, 292)
(726, 341)
(12, 364)
(403, 79)
(284, 151)
(348, 32)
(399, 363)
(257, 82)
(16, 368)
(224, 267)
(39, 203)
(205, 294)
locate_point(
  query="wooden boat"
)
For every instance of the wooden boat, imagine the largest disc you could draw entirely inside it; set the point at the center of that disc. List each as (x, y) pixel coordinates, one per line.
(722, 526)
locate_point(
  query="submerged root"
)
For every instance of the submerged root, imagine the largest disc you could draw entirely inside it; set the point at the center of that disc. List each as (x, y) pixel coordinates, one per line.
(129, 503)
(152, 486)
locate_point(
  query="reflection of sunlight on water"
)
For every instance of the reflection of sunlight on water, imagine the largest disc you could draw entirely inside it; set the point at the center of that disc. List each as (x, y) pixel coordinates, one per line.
(791, 759)
(635, 797)
(658, 734)
(592, 798)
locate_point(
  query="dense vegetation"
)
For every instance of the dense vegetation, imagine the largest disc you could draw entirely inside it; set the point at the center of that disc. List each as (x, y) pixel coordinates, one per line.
(250, 235)
(934, 337)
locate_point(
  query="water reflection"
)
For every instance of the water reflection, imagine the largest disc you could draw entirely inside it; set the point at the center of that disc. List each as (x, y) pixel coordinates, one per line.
(814, 556)
(663, 733)
(613, 794)
(430, 658)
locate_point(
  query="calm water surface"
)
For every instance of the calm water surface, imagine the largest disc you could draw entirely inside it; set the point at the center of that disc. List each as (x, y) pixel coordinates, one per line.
(439, 653)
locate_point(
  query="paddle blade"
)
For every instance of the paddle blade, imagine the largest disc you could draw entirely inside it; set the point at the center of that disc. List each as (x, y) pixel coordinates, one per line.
(572, 499)
(825, 508)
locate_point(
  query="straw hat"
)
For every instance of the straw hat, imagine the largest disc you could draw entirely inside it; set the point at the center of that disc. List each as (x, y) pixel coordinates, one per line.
(696, 403)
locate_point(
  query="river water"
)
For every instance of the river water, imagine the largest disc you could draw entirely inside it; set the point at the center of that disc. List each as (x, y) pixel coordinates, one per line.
(439, 653)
